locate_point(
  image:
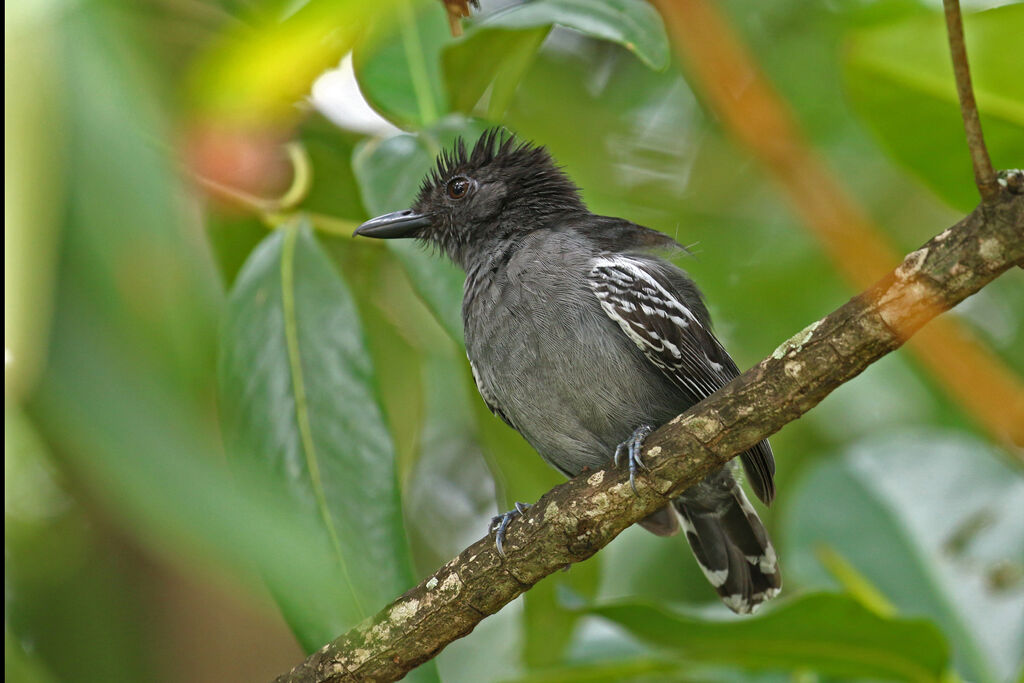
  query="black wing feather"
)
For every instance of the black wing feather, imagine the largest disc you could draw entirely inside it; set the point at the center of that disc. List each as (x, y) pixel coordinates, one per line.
(662, 312)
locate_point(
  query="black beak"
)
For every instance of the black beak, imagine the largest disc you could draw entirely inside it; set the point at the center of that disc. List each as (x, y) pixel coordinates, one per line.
(392, 225)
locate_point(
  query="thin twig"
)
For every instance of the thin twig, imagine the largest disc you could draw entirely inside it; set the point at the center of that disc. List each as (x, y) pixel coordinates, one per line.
(984, 174)
(240, 198)
(302, 181)
(277, 211)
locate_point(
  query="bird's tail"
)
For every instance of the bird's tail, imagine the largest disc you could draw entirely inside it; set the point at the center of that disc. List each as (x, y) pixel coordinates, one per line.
(732, 548)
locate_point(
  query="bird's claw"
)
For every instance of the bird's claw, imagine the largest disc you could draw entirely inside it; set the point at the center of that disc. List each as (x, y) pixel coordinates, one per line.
(633, 446)
(500, 523)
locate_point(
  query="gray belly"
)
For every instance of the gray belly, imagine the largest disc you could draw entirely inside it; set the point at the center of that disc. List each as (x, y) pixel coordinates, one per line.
(563, 374)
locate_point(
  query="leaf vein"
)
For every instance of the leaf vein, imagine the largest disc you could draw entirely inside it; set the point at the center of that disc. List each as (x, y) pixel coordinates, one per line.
(291, 334)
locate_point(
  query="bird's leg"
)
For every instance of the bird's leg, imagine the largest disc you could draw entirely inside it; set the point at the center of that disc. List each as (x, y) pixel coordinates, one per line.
(633, 447)
(500, 523)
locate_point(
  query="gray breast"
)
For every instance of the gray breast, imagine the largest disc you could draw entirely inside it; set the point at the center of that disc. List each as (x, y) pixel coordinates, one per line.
(548, 359)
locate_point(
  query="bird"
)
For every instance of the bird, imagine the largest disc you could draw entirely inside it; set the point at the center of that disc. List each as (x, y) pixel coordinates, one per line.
(583, 337)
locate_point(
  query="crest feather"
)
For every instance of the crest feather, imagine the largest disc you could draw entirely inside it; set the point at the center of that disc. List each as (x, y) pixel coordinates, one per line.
(497, 148)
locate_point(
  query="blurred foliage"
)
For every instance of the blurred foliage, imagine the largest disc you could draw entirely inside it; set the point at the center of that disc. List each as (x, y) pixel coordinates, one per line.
(940, 542)
(828, 634)
(338, 449)
(256, 69)
(633, 24)
(399, 68)
(904, 66)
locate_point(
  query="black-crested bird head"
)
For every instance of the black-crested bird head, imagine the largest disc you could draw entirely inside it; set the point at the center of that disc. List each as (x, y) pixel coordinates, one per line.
(503, 187)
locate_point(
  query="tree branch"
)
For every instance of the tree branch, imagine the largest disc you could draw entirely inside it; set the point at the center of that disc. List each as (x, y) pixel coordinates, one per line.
(575, 520)
(984, 175)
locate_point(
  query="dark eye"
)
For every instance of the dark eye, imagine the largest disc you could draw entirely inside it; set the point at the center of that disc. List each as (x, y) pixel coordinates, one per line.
(458, 187)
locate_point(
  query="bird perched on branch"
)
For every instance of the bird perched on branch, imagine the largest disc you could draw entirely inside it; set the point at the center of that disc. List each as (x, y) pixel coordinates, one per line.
(583, 339)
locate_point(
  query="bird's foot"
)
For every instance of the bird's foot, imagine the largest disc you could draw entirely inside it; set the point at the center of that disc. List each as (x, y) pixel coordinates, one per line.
(633, 447)
(500, 523)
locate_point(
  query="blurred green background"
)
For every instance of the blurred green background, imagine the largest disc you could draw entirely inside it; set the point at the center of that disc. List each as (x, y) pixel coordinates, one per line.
(231, 431)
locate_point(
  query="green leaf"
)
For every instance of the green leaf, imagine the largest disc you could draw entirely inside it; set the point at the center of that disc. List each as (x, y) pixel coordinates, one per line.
(634, 24)
(489, 58)
(450, 494)
(232, 237)
(35, 127)
(398, 64)
(20, 665)
(333, 191)
(129, 230)
(900, 80)
(389, 174)
(64, 590)
(298, 397)
(829, 634)
(854, 583)
(150, 454)
(928, 518)
(547, 625)
(617, 671)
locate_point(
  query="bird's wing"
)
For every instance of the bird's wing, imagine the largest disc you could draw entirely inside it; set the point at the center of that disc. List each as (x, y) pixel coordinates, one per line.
(637, 296)
(666, 320)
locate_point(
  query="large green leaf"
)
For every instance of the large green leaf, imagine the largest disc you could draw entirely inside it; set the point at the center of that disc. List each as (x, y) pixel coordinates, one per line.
(826, 633)
(333, 191)
(150, 453)
(489, 58)
(298, 397)
(620, 670)
(451, 492)
(398, 64)
(900, 79)
(152, 458)
(232, 237)
(20, 665)
(136, 251)
(634, 24)
(932, 519)
(65, 602)
(34, 130)
(389, 174)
